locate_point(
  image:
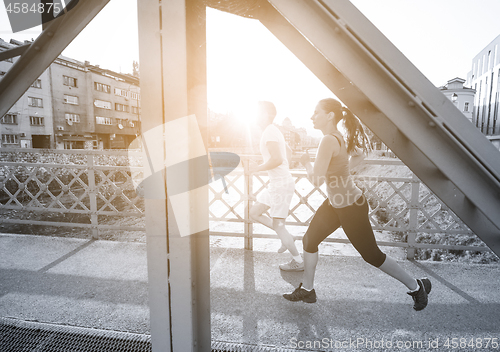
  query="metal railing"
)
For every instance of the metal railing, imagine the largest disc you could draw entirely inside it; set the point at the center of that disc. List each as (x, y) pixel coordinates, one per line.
(79, 188)
(400, 204)
(97, 190)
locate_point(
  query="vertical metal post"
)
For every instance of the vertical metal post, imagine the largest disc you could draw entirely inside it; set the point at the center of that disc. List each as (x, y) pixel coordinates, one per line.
(94, 219)
(196, 39)
(155, 209)
(413, 221)
(173, 86)
(248, 194)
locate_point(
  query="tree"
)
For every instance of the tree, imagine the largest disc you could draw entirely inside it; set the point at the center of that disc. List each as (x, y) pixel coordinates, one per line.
(135, 68)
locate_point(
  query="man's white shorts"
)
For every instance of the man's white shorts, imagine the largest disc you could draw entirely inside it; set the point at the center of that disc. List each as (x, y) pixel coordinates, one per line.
(278, 197)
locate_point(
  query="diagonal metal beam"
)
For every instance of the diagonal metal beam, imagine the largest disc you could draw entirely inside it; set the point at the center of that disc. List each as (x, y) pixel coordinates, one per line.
(413, 118)
(44, 50)
(7, 54)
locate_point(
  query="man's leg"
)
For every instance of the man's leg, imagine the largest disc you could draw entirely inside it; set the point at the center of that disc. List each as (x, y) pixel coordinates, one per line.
(286, 238)
(257, 214)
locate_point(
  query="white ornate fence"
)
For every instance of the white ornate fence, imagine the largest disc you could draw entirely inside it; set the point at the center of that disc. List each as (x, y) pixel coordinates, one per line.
(79, 188)
(96, 190)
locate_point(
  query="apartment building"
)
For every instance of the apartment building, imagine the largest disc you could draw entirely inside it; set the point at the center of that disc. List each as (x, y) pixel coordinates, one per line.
(484, 79)
(73, 105)
(71, 97)
(115, 107)
(28, 124)
(462, 97)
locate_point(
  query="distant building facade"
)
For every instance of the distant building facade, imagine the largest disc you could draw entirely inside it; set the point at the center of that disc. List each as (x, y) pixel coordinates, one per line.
(116, 107)
(71, 98)
(484, 79)
(28, 123)
(297, 138)
(461, 96)
(73, 105)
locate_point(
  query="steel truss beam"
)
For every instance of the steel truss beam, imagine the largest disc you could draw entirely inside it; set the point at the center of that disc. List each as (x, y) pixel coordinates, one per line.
(172, 49)
(10, 53)
(44, 50)
(397, 103)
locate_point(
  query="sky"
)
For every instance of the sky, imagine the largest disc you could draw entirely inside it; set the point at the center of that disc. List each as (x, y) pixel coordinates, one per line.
(247, 63)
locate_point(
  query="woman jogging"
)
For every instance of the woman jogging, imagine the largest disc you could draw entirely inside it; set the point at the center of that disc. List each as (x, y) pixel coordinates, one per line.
(346, 205)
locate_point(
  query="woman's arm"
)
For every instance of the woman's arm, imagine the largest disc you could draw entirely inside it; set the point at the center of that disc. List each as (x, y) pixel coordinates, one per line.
(328, 147)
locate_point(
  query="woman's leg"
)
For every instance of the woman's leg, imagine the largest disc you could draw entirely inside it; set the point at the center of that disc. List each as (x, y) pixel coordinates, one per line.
(392, 268)
(358, 229)
(324, 222)
(310, 262)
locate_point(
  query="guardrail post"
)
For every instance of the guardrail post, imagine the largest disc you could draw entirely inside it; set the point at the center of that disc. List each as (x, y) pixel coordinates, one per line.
(413, 221)
(248, 201)
(94, 219)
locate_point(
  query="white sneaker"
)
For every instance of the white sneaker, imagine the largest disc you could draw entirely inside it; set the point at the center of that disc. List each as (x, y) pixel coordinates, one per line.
(292, 265)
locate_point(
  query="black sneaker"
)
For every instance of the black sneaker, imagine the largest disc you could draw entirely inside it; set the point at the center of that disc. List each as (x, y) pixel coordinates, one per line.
(301, 294)
(420, 296)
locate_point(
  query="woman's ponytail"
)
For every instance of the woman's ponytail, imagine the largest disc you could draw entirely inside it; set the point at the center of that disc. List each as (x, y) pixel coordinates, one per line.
(356, 137)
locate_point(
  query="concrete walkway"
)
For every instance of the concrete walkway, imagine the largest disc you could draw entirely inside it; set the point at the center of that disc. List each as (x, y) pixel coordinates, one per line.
(102, 284)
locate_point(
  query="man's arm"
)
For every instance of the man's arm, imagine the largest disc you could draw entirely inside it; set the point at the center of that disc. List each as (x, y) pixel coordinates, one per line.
(289, 154)
(275, 160)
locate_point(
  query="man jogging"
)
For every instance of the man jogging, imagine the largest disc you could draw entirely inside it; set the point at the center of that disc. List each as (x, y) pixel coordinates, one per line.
(278, 195)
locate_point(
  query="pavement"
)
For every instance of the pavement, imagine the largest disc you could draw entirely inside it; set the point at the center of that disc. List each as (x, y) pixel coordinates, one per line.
(104, 285)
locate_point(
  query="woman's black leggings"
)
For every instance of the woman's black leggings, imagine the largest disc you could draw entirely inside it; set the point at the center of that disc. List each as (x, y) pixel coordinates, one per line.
(354, 220)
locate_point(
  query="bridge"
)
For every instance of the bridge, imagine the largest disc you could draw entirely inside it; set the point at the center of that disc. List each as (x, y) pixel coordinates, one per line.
(338, 44)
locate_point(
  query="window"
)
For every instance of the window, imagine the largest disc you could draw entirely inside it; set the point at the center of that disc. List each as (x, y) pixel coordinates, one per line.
(101, 87)
(121, 92)
(37, 83)
(131, 123)
(36, 120)
(466, 106)
(135, 110)
(134, 96)
(36, 102)
(70, 99)
(103, 120)
(122, 107)
(10, 119)
(74, 145)
(69, 81)
(72, 118)
(102, 104)
(10, 139)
